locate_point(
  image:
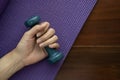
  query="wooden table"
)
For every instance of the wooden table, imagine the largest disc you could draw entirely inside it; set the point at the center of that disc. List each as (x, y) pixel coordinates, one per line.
(96, 52)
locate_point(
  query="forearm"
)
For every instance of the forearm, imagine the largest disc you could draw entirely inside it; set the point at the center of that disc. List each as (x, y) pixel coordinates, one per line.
(9, 65)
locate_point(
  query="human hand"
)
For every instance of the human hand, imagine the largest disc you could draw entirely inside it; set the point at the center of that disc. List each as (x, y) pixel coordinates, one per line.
(31, 46)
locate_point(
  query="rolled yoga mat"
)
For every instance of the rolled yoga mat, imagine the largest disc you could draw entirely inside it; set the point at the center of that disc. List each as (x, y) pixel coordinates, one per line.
(66, 16)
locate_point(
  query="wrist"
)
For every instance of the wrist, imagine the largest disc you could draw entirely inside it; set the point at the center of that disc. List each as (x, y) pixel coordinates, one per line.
(16, 56)
(10, 64)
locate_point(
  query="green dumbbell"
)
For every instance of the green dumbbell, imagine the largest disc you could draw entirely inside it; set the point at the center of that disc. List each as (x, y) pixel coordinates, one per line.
(53, 54)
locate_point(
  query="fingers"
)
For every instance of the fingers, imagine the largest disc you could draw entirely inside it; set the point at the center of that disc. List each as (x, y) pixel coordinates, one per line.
(37, 30)
(42, 31)
(50, 41)
(46, 36)
(54, 45)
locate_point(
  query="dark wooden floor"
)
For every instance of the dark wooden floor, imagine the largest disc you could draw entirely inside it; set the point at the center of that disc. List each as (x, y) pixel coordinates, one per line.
(96, 52)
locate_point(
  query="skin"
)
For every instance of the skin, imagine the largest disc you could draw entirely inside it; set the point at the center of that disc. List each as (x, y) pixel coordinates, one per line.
(29, 50)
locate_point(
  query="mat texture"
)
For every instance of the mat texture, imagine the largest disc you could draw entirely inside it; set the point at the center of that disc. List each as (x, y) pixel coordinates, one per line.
(66, 16)
(3, 5)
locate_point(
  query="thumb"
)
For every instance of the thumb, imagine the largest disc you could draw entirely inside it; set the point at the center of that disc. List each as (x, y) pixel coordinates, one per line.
(37, 28)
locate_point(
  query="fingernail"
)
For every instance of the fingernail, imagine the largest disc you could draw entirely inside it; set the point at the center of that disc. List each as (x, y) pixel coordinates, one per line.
(39, 41)
(45, 23)
(38, 35)
(41, 45)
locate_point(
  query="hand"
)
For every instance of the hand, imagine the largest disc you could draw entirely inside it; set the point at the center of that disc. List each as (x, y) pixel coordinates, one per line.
(29, 50)
(31, 46)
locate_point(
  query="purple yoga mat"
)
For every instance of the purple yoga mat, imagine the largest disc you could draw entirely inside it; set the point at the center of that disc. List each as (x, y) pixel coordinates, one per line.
(66, 16)
(3, 5)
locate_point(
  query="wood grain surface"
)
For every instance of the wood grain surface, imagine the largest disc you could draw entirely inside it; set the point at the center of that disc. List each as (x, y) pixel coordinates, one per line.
(95, 54)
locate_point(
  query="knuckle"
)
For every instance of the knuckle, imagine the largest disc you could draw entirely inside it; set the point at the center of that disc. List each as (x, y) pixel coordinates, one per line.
(48, 24)
(56, 37)
(57, 45)
(26, 33)
(37, 41)
(43, 38)
(52, 30)
(37, 27)
(54, 45)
